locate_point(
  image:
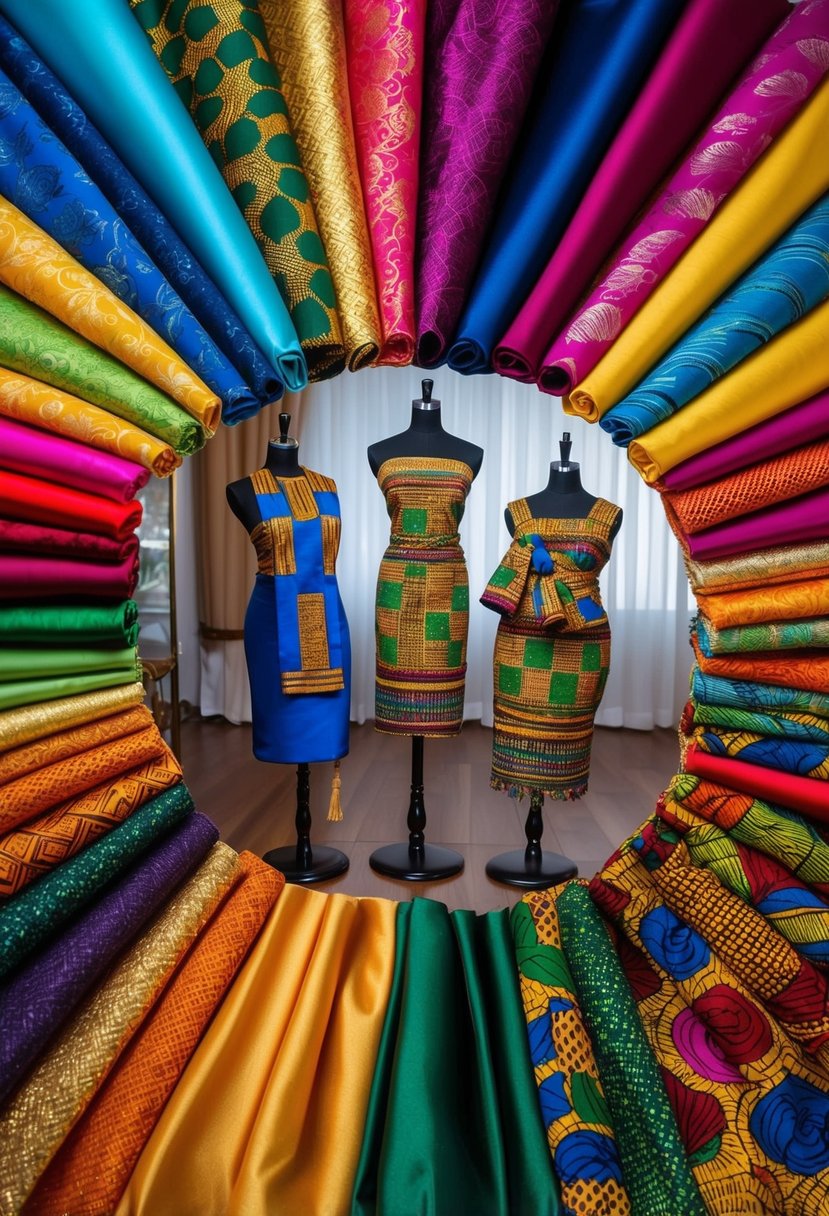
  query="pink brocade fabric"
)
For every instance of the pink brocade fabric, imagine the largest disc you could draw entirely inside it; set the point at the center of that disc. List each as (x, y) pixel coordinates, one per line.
(17, 536)
(26, 449)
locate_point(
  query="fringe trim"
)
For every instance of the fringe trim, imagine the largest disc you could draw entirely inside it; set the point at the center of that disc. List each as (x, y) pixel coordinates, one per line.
(520, 791)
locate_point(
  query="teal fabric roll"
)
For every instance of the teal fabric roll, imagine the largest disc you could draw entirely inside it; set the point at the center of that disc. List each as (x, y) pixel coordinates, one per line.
(101, 54)
(747, 694)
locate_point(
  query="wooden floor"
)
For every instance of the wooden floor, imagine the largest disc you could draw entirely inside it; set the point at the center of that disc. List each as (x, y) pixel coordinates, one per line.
(254, 804)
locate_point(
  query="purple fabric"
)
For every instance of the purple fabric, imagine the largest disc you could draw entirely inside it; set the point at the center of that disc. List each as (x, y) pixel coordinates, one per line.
(801, 424)
(42, 995)
(16, 535)
(32, 577)
(708, 47)
(792, 522)
(25, 449)
(483, 56)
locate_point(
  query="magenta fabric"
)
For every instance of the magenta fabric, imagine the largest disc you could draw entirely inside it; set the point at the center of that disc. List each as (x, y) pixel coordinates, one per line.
(773, 88)
(482, 59)
(32, 577)
(709, 46)
(19, 536)
(25, 449)
(801, 424)
(795, 521)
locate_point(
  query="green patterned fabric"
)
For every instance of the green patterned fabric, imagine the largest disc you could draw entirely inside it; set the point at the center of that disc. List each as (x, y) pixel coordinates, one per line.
(783, 724)
(93, 624)
(769, 635)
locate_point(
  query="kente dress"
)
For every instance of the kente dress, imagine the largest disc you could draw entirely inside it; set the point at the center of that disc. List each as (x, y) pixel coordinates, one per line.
(552, 650)
(422, 604)
(296, 635)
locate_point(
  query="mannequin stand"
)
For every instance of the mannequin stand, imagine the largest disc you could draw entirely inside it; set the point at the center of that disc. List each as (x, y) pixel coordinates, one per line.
(416, 861)
(301, 863)
(532, 867)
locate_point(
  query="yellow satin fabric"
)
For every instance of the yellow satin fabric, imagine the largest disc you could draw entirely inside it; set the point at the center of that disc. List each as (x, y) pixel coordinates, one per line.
(760, 567)
(784, 182)
(32, 722)
(36, 1120)
(792, 368)
(37, 268)
(789, 601)
(307, 43)
(267, 1119)
(52, 409)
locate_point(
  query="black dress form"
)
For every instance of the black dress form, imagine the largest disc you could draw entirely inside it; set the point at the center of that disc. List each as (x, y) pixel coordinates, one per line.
(425, 436)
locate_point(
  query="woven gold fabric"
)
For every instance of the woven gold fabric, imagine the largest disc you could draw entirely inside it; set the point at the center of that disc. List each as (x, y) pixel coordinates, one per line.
(70, 742)
(307, 41)
(19, 726)
(760, 568)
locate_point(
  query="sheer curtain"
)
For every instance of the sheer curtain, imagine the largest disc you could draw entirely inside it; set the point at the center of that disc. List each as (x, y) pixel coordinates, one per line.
(644, 587)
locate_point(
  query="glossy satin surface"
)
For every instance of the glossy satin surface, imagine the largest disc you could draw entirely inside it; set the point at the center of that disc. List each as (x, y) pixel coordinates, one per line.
(26, 449)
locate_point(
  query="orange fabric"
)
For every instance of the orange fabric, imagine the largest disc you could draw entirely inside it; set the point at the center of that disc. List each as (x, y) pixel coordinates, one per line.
(70, 742)
(792, 601)
(809, 670)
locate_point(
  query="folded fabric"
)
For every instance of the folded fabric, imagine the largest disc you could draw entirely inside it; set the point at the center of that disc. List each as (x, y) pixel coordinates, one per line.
(43, 994)
(700, 59)
(19, 537)
(18, 726)
(32, 498)
(807, 671)
(796, 521)
(483, 59)
(771, 90)
(314, 78)
(759, 567)
(385, 86)
(216, 55)
(781, 725)
(61, 744)
(25, 449)
(793, 172)
(33, 577)
(794, 600)
(59, 624)
(770, 635)
(788, 282)
(92, 1166)
(573, 121)
(711, 689)
(806, 759)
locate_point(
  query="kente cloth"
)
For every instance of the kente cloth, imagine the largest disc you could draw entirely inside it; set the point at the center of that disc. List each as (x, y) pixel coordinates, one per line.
(38, 662)
(795, 521)
(92, 1166)
(798, 599)
(805, 758)
(452, 1076)
(770, 635)
(789, 369)
(19, 537)
(309, 1044)
(93, 624)
(105, 61)
(705, 51)
(385, 86)
(61, 744)
(790, 65)
(801, 424)
(44, 992)
(42, 177)
(37, 913)
(25, 449)
(297, 643)
(422, 598)
(38, 1117)
(34, 577)
(573, 118)
(33, 344)
(216, 54)
(55, 781)
(552, 650)
(37, 268)
(760, 567)
(782, 725)
(66, 118)
(787, 179)
(40, 501)
(483, 59)
(743, 1092)
(580, 1130)
(307, 43)
(787, 283)
(788, 790)
(46, 842)
(747, 694)
(807, 672)
(19, 726)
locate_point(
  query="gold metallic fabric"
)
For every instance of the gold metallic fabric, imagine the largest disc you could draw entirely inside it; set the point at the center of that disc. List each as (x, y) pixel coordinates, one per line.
(70, 742)
(19, 726)
(793, 600)
(760, 567)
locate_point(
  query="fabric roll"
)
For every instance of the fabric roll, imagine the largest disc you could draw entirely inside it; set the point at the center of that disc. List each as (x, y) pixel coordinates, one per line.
(102, 56)
(35, 577)
(19, 726)
(759, 567)
(35, 914)
(805, 759)
(41, 501)
(797, 521)
(770, 635)
(44, 992)
(791, 368)
(698, 62)
(788, 282)
(717, 690)
(15, 693)
(92, 1166)
(781, 725)
(36, 1121)
(309, 1044)
(483, 59)
(791, 601)
(215, 52)
(385, 85)
(60, 624)
(24, 449)
(574, 119)
(770, 92)
(66, 118)
(807, 672)
(803, 794)
(307, 42)
(19, 537)
(42, 177)
(794, 172)
(61, 744)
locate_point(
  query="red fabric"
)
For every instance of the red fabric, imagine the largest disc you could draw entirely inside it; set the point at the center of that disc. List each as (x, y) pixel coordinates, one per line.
(19, 537)
(804, 794)
(32, 577)
(44, 502)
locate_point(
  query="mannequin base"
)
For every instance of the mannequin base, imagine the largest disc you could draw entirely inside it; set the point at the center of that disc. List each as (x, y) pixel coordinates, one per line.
(416, 865)
(324, 863)
(517, 869)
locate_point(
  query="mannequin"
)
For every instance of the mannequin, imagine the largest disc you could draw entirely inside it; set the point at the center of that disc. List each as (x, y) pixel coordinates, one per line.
(422, 609)
(300, 705)
(563, 497)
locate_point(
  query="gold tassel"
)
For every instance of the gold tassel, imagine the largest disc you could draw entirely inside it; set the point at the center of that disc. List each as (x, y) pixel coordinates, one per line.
(335, 809)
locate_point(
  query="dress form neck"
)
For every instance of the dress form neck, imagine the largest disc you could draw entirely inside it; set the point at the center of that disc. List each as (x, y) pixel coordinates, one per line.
(426, 437)
(282, 459)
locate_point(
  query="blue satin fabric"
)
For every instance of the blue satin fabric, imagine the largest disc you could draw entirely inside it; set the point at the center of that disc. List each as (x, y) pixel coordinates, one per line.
(103, 57)
(44, 91)
(787, 283)
(600, 53)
